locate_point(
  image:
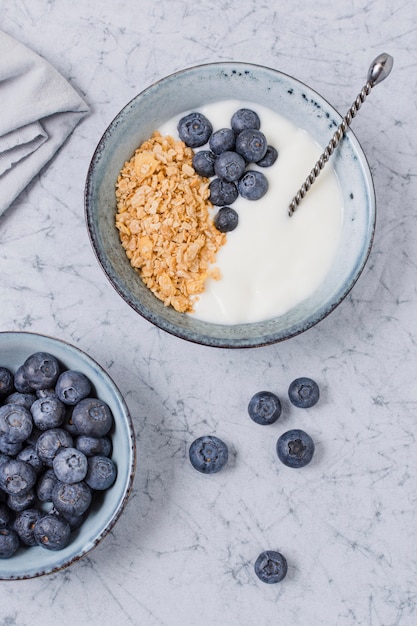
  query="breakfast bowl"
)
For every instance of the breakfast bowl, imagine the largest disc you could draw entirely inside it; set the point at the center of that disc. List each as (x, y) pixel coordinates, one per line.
(193, 89)
(107, 505)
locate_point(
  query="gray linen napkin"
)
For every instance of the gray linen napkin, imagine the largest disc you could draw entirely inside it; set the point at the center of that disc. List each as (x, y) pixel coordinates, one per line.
(38, 111)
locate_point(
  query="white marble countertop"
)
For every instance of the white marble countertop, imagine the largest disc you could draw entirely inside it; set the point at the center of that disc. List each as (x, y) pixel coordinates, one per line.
(183, 551)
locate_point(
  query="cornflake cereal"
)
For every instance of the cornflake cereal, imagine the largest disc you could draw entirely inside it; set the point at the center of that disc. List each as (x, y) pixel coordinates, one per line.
(164, 221)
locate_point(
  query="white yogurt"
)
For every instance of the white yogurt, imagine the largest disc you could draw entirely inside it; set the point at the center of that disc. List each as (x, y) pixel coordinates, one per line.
(271, 262)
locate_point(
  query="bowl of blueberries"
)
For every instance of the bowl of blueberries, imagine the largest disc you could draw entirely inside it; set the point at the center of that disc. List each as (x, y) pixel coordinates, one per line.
(67, 454)
(254, 134)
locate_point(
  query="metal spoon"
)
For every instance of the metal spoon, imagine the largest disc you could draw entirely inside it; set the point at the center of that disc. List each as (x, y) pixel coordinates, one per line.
(378, 71)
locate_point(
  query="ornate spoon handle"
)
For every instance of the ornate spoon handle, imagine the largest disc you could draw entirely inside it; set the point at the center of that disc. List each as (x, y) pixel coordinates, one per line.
(378, 71)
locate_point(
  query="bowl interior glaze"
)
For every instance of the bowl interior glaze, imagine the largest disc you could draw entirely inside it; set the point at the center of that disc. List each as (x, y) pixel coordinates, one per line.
(190, 89)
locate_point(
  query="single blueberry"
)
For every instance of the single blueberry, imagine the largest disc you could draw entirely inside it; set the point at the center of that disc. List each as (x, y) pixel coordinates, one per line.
(243, 119)
(24, 524)
(229, 166)
(9, 542)
(23, 399)
(270, 157)
(251, 144)
(264, 408)
(45, 485)
(222, 192)
(304, 392)
(92, 417)
(91, 446)
(203, 163)
(253, 185)
(295, 448)
(28, 454)
(71, 499)
(50, 442)
(20, 382)
(70, 465)
(72, 386)
(6, 382)
(15, 423)
(21, 501)
(41, 370)
(271, 566)
(208, 454)
(194, 129)
(6, 515)
(48, 412)
(52, 532)
(16, 476)
(226, 219)
(11, 449)
(101, 472)
(222, 140)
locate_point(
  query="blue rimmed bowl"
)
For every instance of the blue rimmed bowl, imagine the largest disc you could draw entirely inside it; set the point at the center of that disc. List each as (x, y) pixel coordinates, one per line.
(32, 562)
(190, 89)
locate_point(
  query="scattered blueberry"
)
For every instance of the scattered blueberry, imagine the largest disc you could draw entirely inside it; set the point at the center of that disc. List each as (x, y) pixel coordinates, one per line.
(16, 476)
(6, 382)
(304, 393)
(15, 423)
(71, 499)
(20, 382)
(91, 446)
(24, 524)
(203, 163)
(252, 145)
(295, 448)
(71, 387)
(271, 566)
(208, 454)
(264, 408)
(101, 472)
(9, 542)
(92, 417)
(41, 370)
(270, 157)
(222, 192)
(222, 140)
(48, 412)
(70, 465)
(229, 166)
(45, 485)
(10, 449)
(226, 219)
(52, 532)
(194, 129)
(253, 185)
(243, 119)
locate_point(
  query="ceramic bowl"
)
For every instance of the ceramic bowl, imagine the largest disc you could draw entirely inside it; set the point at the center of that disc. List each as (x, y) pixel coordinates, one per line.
(190, 89)
(32, 562)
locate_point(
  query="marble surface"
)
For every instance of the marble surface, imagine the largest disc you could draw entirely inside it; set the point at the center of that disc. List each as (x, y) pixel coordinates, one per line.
(183, 552)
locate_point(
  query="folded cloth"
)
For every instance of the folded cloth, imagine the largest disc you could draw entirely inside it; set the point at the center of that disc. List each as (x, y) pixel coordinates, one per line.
(38, 111)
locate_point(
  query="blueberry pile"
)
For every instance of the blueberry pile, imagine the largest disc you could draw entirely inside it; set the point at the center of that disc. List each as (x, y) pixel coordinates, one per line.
(55, 453)
(230, 152)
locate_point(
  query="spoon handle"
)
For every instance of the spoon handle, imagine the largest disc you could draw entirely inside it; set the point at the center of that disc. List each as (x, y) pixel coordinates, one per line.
(378, 71)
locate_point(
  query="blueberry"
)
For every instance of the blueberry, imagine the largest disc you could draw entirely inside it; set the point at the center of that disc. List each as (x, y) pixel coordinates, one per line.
(222, 192)
(295, 448)
(72, 386)
(20, 382)
(23, 399)
(271, 566)
(50, 442)
(194, 129)
(41, 370)
(4, 457)
(91, 446)
(21, 501)
(74, 521)
(9, 542)
(15, 423)
(70, 465)
(245, 118)
(270, 157)
(6, 382)
(92, 417)
(222, 140)
(101, 472)
(264, 408)
(304, 393)
(71, 499)
(229, 166)
(24, 525)
(253, 185)
(52, 532)
(16, 476)
(48, 412)
(10, 449)
(6, 515)
(45, 485)
(226, 219)
(203, 163)
(28, 454)
(208, 454)
(252, 145)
